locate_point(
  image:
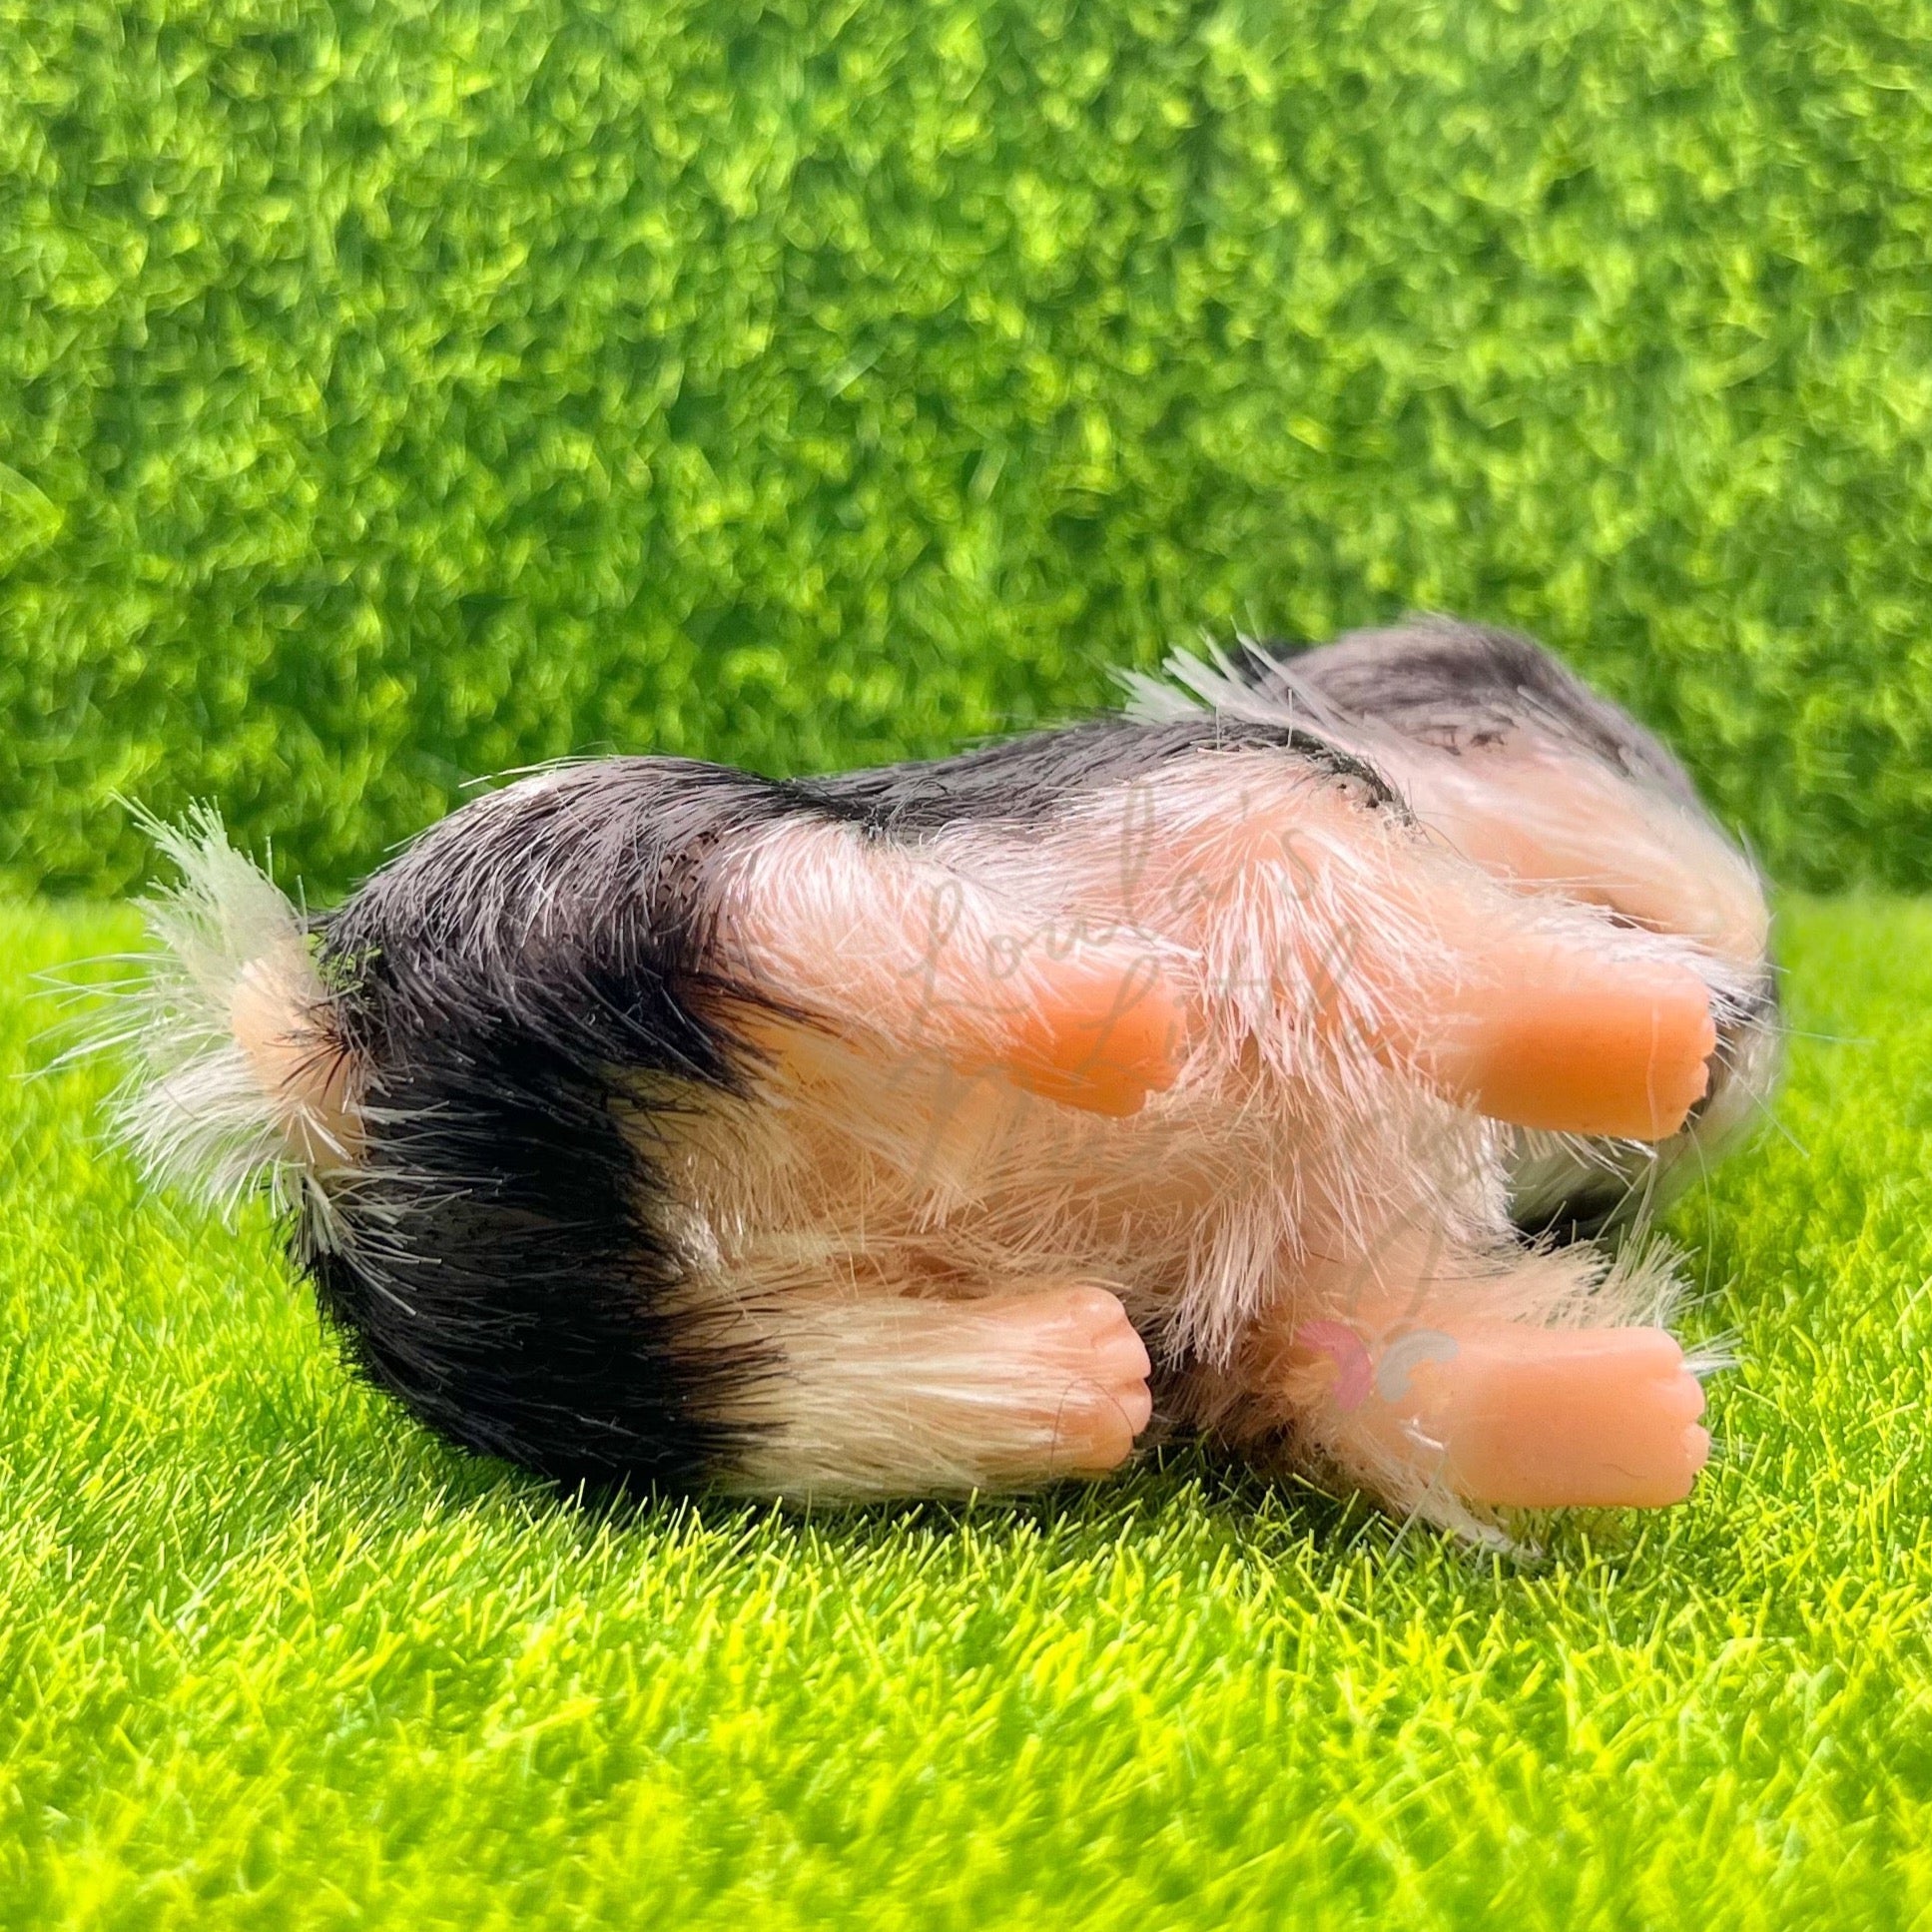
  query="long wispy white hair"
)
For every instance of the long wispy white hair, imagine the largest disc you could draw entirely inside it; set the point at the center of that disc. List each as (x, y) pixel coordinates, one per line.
(198, 1109)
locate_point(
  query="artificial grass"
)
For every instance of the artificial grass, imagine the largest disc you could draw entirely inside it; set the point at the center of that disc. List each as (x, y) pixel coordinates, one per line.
(270, 1657)
(394, 392)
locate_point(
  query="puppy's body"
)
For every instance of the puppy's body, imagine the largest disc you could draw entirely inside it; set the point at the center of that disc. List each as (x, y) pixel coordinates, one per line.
(931, 1128)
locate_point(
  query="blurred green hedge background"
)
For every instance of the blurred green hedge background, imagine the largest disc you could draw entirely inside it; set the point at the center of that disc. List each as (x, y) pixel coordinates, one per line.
(392, 393)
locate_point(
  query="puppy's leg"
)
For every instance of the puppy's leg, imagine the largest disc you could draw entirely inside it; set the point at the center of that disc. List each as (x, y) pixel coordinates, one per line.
(1458, 1385)
(919, 958)
(1514, 763)
(1349, 922)
(1540, 817)
(895, 1395)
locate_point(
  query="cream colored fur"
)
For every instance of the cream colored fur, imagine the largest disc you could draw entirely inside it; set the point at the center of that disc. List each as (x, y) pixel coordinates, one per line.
(1296, 1171)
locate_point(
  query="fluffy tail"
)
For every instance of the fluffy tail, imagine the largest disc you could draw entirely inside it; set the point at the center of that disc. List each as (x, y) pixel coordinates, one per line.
(242, 1077)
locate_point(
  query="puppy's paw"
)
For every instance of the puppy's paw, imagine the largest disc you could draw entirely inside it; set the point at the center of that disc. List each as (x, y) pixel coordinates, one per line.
(1567, 1417)
(1107, 1031)
(1085, 1372)
(1551, 1035)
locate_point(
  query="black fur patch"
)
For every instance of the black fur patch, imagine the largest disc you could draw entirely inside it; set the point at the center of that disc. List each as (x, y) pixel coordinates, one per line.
(509, 980)
(1025, 780)
(1588, 1213)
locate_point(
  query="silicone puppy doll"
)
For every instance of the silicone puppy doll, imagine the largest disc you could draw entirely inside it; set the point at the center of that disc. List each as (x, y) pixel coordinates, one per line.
(1253, 1063)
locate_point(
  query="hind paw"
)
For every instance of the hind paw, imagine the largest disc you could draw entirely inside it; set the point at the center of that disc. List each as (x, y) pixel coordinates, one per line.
(1567, 1417)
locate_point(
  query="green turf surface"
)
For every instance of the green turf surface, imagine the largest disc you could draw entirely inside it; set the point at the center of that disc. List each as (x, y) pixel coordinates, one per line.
(393, 392)
(270, 1656)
